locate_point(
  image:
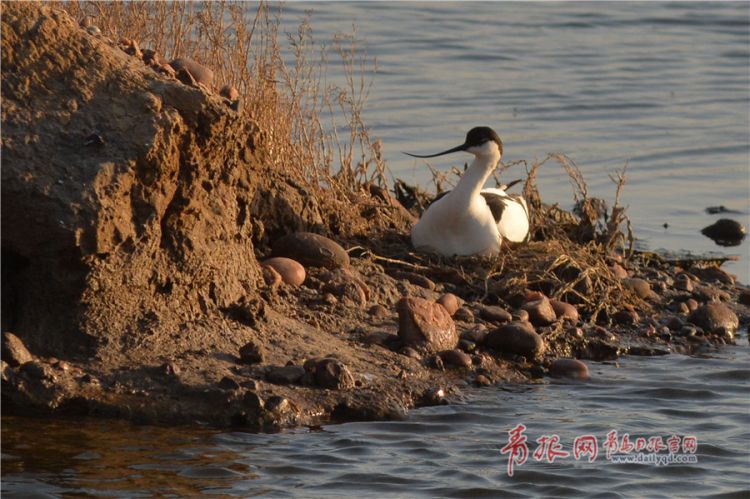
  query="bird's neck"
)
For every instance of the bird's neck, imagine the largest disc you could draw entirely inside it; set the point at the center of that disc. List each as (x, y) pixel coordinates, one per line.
(475, 177)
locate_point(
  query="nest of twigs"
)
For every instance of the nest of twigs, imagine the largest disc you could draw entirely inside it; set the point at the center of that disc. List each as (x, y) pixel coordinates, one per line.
(569, 255)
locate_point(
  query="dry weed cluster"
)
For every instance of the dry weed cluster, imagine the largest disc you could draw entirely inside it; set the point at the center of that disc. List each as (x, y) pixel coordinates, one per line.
(308, 126)
(568, 257)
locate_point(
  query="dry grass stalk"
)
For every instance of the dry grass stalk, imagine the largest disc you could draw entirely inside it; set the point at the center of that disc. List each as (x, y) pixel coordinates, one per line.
(614, 235)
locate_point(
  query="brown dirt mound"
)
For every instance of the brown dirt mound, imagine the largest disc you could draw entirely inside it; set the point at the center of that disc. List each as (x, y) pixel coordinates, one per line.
(131, 203)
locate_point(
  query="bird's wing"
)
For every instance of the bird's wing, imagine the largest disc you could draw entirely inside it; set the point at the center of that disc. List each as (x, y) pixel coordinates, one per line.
(496, 200)
(521, 201)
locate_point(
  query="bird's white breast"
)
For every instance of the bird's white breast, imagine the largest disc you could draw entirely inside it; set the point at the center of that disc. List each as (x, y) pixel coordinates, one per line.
(452, 230)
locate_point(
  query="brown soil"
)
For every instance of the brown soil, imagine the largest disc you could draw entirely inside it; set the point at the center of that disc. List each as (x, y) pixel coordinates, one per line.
(135, 209)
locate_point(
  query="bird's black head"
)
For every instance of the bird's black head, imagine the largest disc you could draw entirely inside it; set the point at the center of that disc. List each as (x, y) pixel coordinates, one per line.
(481, 134)
(476, 137)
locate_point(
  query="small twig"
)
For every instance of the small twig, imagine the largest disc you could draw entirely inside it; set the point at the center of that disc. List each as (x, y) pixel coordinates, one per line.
(371, 254)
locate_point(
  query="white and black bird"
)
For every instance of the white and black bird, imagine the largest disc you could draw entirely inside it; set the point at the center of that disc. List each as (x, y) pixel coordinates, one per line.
(470, 220)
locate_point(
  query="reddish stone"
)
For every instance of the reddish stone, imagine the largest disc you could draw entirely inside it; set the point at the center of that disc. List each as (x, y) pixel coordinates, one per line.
(312, 250)
(14, 351)
(618, 271)
(518, 338)
(378, 311)
(291, 271)
(715, 318)
(199, 72)
(463, 314)
(626, 317)
(425, 324)
(346, 285)
(640, 287)
(450, 301)
(521, 315)
(333, 374)
(455, 358)
(530, 295)
(569, 368)
(564, 310)
(494, 313)
(683, 283)
(716, 274)
(540, 311)
(229, 92)
(252, 353)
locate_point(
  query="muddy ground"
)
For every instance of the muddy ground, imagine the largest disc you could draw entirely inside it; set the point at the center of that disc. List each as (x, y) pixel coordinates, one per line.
(137, 211)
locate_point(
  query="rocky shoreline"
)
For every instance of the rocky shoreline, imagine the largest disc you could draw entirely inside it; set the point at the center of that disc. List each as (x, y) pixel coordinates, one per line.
(163, 273)
(378, 357)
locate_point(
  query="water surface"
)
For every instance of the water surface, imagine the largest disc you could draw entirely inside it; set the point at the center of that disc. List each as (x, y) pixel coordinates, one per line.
(445, 451)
